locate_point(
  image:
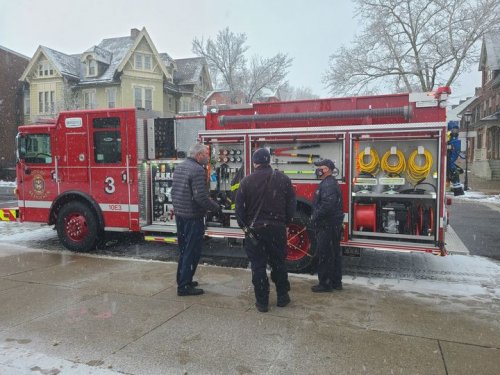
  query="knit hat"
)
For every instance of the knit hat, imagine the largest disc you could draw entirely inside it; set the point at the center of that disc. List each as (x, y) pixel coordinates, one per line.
(261, 156)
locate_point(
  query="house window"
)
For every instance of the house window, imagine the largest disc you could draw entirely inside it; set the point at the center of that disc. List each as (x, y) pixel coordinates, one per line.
(92, 68)
(111, 97)
(46, 102)
(142, 61)
(26, 102)
(45, 69)
(138, 61)
(89, 99)
(148, 99)
(147, 62)
(143, 97)
(479, 139)
(171, 103)
(185, 104)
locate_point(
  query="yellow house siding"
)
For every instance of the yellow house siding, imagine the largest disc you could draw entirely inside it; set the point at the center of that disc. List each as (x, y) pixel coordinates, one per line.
(43, 85)
(129, 82)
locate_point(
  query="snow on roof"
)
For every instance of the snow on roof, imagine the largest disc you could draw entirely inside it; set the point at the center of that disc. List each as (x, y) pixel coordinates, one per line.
(66, 64)
(100, 54)
(188, 70)
(118, 48)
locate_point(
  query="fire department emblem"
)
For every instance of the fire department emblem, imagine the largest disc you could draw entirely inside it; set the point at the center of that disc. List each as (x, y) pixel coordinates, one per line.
(38, 187)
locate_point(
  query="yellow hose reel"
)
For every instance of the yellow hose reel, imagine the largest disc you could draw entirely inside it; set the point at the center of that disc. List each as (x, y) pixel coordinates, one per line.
(390, 167)
(419, 171)
(372, 165)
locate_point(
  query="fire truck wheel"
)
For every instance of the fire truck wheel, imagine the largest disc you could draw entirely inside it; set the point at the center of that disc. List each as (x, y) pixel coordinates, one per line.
(77, 227)
(301, 249)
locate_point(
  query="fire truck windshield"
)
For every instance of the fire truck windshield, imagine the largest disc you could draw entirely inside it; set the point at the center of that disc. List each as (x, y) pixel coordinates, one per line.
(34, 148)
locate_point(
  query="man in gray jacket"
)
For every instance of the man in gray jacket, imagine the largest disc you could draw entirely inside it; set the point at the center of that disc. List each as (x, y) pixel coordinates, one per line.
(191, 203)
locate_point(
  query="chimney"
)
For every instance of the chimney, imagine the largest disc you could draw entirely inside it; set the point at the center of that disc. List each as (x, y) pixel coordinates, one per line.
(134, 33)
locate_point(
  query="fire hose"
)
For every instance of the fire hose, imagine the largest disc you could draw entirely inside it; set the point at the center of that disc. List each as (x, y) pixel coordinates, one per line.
(372, 166)
(393, 168)
(419, 172)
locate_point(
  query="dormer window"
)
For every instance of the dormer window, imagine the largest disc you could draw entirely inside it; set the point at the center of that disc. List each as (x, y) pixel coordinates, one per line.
(143, 61)
(91, 67)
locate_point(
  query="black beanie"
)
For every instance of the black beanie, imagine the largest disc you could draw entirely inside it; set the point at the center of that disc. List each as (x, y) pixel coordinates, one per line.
(261, 156)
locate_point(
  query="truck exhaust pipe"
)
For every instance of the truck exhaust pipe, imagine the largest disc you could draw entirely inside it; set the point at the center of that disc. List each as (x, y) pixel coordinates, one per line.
(305, 116)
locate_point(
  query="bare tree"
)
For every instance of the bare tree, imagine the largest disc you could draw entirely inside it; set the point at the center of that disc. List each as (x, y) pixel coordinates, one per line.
(288, 92)
(230, 70)
(411, 45)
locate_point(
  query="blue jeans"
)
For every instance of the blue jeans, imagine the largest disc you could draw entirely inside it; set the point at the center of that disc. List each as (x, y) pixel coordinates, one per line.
(190, 238)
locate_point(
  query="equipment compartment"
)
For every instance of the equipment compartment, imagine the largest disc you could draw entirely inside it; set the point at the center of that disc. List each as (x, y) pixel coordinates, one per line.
(394, 187)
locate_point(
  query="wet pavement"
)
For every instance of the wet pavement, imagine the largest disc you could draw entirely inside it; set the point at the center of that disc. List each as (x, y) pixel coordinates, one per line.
(64, 313)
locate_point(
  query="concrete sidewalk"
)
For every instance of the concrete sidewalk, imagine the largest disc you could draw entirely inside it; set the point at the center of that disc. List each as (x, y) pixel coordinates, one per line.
(70, 314)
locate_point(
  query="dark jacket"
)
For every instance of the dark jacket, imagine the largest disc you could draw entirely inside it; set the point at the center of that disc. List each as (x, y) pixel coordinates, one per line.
(279, 200)
(327, 204)
(190, 192)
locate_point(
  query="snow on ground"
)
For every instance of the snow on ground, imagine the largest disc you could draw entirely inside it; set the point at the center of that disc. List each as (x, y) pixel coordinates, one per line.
(477, 196)
(7, 183)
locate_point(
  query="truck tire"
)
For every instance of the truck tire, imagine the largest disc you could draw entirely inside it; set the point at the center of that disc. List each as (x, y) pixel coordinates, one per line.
(77, 227)
(301, 244)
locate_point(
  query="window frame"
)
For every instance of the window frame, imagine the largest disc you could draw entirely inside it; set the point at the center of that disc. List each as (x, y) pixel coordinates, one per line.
(142, 97)
(46, 102)
(111, 91)
(91, 103)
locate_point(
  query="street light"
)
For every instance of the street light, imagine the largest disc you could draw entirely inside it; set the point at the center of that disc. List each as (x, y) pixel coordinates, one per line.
(467, 118)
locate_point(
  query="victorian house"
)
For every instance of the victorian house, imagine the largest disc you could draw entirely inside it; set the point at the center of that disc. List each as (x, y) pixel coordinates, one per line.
(118, 72)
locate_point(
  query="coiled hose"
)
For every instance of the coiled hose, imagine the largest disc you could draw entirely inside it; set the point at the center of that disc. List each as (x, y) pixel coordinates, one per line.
(417, 173)
(395, 168)
(370, 167)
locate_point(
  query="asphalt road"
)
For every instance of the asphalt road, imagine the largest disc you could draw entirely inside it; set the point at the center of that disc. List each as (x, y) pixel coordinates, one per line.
(477, 225)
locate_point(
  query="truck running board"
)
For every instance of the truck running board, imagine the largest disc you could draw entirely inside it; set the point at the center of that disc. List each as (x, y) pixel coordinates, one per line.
(161, 239)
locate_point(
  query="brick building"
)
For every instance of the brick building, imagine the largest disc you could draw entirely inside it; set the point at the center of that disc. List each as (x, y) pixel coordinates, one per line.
(484, 128)
(12, 65)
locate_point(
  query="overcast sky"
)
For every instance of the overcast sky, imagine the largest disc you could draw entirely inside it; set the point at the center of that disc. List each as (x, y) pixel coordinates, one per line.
(308, 30)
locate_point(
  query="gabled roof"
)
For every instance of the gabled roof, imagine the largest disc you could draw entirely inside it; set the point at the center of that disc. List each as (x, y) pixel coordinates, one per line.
(490, 51)
(65, 65)
(189, 70)
(142, 34)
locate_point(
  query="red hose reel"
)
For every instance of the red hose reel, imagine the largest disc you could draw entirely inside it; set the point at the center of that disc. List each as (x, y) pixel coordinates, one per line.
(365, 217)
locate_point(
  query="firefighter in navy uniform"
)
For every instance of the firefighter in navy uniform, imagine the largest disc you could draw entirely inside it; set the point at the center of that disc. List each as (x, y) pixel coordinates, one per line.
(327, 218)
(265, 203)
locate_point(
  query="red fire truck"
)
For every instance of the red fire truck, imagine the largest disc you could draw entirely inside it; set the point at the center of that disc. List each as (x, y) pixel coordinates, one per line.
(93, 171)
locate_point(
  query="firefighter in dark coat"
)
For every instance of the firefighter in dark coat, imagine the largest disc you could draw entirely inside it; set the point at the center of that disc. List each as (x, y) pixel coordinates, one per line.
(191, 203)
(265, 203)
(327, 218)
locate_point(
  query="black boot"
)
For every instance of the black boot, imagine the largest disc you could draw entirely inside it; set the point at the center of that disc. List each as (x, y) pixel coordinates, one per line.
(283, 300)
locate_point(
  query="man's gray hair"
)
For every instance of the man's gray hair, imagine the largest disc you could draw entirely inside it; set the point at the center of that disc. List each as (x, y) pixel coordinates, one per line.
(196, 149)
